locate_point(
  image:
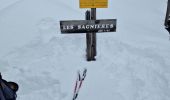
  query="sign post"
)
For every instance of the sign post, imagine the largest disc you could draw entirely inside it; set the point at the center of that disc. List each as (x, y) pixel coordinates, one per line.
(90, 25)
(89, 54)
(93, 17)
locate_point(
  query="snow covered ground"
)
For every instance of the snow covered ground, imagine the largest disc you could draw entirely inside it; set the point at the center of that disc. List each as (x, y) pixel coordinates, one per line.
(132, 63)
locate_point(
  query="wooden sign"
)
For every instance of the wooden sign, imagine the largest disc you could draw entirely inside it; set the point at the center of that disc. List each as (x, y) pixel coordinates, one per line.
(93, 3)
(86, 26)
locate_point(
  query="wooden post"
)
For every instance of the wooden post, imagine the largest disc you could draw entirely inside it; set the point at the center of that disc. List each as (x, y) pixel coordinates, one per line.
(88, 39)
(94, 51)
(91, 37)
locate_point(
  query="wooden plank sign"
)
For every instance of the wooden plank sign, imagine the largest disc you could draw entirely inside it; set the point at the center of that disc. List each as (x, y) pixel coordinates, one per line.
(87, 26)
(93, 3)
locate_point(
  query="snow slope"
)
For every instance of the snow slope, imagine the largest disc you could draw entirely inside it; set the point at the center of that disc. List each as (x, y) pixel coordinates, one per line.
(132, 63)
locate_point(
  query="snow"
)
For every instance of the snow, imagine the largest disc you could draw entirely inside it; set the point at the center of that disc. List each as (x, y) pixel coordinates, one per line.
(132, 63)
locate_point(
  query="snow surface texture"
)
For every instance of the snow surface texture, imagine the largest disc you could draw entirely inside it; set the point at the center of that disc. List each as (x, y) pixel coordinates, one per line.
(132, 63)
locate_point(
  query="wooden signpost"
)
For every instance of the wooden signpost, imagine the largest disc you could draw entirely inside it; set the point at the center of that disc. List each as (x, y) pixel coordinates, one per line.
(90, 25)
